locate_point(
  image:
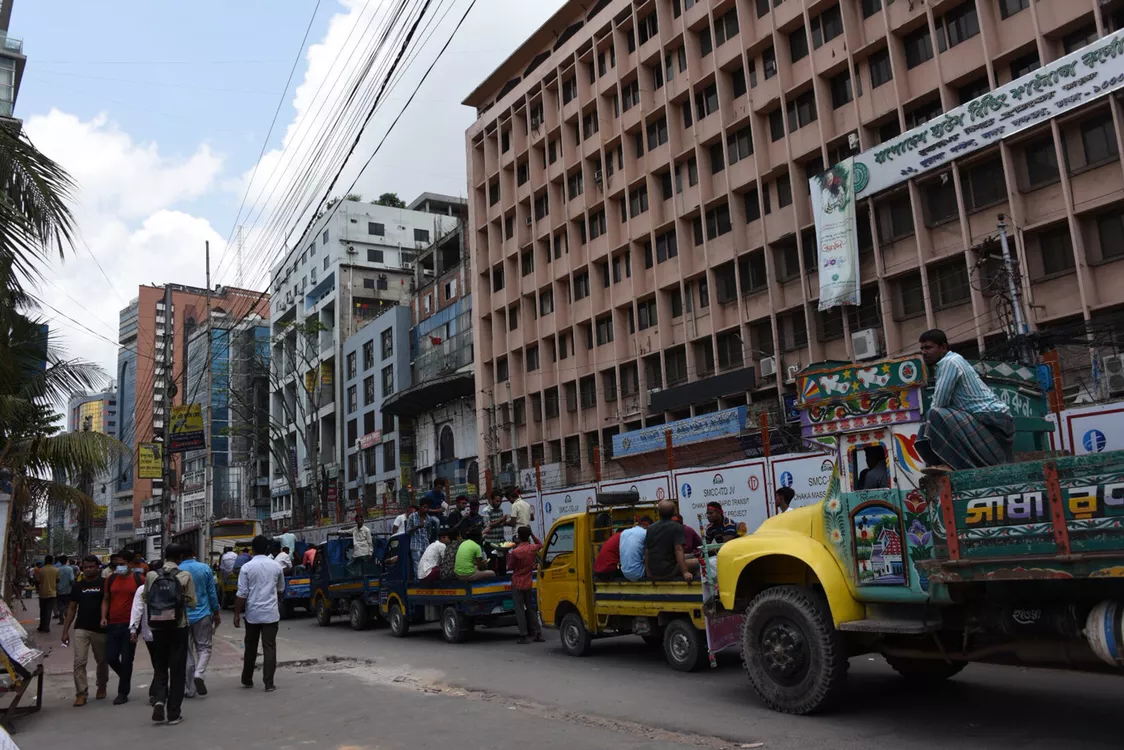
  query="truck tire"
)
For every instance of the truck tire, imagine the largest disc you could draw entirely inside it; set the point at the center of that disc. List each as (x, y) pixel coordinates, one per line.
(576, 640)
(454, 625)
(399, 622)
(924, 671)
(358, 615)
(684, 645)
(791, 652)
(323, 612)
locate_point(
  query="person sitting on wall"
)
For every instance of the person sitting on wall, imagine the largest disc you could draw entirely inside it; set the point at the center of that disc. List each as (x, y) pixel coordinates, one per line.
(967, 426)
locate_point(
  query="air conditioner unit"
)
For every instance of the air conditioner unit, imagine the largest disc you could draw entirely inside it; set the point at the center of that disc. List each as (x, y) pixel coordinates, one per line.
(351, 250)
(597, 176)
(790, 373)
(768, 367)
(1114, 372)
(535, 122)
(865, 343)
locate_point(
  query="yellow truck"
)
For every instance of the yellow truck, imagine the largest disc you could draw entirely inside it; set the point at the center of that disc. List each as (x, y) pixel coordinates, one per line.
(673, 614)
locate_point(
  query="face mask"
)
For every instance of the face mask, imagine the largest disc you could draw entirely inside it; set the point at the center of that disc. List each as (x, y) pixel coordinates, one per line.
(122, 569)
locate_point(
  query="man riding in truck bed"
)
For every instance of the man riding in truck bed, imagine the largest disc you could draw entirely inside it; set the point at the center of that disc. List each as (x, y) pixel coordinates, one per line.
(966, 425)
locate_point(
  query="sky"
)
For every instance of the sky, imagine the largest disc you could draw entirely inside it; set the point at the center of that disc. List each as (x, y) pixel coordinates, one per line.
(160, 112)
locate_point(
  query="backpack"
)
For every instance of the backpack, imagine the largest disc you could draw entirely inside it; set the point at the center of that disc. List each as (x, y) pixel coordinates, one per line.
(165, 601)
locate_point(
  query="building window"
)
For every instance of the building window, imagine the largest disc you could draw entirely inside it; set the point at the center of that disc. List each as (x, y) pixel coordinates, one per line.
(605, 329)
(630, 93)
(751, 273)
(387, 381)
(1075, 40)
(1098, 138)
(737, 82)
(379, 230)
(706, 45)
(513, 317)
(880, 70)
(973, 90)
(532, 358)
(590, 124)
(494, 193)
(368, 390)
(830, 324)
(752, 205)
(922, 114)
(646, 313)
(958, 25)
(1110, 231)
(726, 27)
(798, 44)
(826, 26)
(546, 302)
(352, 399)
(389, 456)
(386, 339)
(569, 89)
(667, 246)
(523, 172)
(918, 47)
(784, 191)
(375, 256)
(649, 27)
(717, 158)
(550, 402)
(368, 355)
(769, 62)
(588, 388)
(949, 283)
(675, 362)
(1055, 250)
(706, 101)
(1028, 63)
(657, 133)
(841, 89)
(739, 145)
(609, 385)
(802, 111)
(718, 221)
(984, 185)
(574, 184)
(324, 237)
(895, 217)
(421, 235)
(1008, 8)
(940, 200)
(776, 124)
(581, 286)
(676, 298)
(870, 7)
(1041, 161)
(910, 296)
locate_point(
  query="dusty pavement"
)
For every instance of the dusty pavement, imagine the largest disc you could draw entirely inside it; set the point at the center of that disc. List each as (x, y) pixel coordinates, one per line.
(358, 691)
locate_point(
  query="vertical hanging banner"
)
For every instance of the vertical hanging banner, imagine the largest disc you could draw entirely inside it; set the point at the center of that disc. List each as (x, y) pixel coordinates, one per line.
(833, 206)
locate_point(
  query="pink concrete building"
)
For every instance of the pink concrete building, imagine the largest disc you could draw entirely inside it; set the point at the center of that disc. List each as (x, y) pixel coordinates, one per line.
(641, 232)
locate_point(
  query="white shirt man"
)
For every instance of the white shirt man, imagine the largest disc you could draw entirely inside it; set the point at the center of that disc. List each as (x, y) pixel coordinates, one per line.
(521, 513)
(399, 524)
(226, 564)
(430, 559)
(283, 559)
(360, 541)
(259, 583)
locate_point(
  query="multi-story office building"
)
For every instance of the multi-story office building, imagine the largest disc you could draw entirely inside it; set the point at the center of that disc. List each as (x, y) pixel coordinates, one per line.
(144, 371)
(95, 412)
(12, 62)
(237, 421)
(440, 404)
(642, 236)
(376, 365)
(355, 262)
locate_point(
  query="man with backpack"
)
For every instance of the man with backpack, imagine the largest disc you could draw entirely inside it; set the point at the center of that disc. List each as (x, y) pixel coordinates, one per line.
(260, 581)
(168, 594)
(120, 590)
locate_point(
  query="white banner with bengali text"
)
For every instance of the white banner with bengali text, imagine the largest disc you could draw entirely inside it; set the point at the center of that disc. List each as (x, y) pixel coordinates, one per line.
(740, 488)
(837, 244)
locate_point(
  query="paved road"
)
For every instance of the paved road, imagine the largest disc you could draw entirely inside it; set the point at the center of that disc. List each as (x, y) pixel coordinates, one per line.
(342, 689)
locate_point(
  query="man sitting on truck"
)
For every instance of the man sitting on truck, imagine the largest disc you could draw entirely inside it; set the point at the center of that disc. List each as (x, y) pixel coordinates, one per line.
(448, 566)
(457, 512)
(664, 558)
(720, 529)
(966, 426)
(694, 541)
(495, 518)
(430, 565)
(632, 550)
(471, 560)
(423, 529)
(607, 566)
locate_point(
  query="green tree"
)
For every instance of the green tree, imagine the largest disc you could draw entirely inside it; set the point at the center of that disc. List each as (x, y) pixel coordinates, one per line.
(389, 199)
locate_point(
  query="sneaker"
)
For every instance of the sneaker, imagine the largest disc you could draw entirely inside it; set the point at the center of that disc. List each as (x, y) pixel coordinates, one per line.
(188, 695)
(200, 686)
(100, 695)
(247, 684)
(539, 638)
(523, 640)
(270, 688)
(119, 700)
(79, 701)
(177, 719)
(158, 712)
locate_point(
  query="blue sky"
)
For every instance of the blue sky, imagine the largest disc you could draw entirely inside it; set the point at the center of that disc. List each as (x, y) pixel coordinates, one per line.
(159, 111)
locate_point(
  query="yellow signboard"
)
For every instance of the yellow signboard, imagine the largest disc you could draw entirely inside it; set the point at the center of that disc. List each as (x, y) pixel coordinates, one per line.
(150, 460)
(186, 429)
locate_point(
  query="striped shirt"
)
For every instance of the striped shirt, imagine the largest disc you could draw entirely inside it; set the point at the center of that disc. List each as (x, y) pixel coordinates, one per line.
(959, 386)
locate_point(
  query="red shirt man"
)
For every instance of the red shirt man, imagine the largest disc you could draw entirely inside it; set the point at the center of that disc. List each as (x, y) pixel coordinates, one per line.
(522, 560)
(608, 561)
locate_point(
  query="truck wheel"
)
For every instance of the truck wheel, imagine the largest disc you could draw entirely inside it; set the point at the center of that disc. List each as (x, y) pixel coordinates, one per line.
(576, 640)
(358, 615)
(791, 651)
(924, 671)
(399, 622)
(684, 645)
(454, 625)
(323, 612)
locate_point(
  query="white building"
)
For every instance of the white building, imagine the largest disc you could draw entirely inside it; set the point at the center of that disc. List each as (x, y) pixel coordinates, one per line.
(349, 267)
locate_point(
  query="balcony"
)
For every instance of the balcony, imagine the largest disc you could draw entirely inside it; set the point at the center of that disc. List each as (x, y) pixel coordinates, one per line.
(11, 44)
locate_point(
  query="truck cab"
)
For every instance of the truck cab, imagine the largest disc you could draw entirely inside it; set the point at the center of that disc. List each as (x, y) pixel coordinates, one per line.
(1018, 563)
(339, 589)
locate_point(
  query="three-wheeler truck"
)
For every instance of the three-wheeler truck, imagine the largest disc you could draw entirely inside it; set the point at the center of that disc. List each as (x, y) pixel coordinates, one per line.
(679, 616)
(338, 589)
(460, 606)
(1021, 563)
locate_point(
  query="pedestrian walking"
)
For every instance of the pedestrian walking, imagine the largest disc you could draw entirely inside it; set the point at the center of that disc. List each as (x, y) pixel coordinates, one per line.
(116, 609)
(139, 630)
(202, 619)
(168, 593)
(47, 581)
(66, 580)
(259, 583)
(84, 613)
(522, 560)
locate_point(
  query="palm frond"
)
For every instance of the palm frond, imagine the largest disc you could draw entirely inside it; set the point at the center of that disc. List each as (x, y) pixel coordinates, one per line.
(68, 454)
(44, 491)
(62, 378)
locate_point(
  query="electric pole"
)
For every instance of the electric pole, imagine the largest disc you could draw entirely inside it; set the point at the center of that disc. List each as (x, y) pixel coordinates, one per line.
(1013, 285)
(208, 461)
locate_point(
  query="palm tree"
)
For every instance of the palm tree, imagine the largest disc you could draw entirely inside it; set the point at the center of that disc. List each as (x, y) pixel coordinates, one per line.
(35, 218)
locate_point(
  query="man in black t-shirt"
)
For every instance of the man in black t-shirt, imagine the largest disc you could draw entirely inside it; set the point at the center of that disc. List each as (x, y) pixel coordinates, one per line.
(664, 558)
(84, 612)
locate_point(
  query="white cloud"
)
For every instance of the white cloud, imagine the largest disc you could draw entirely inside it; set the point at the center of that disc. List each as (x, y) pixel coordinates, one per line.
(126, 210)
